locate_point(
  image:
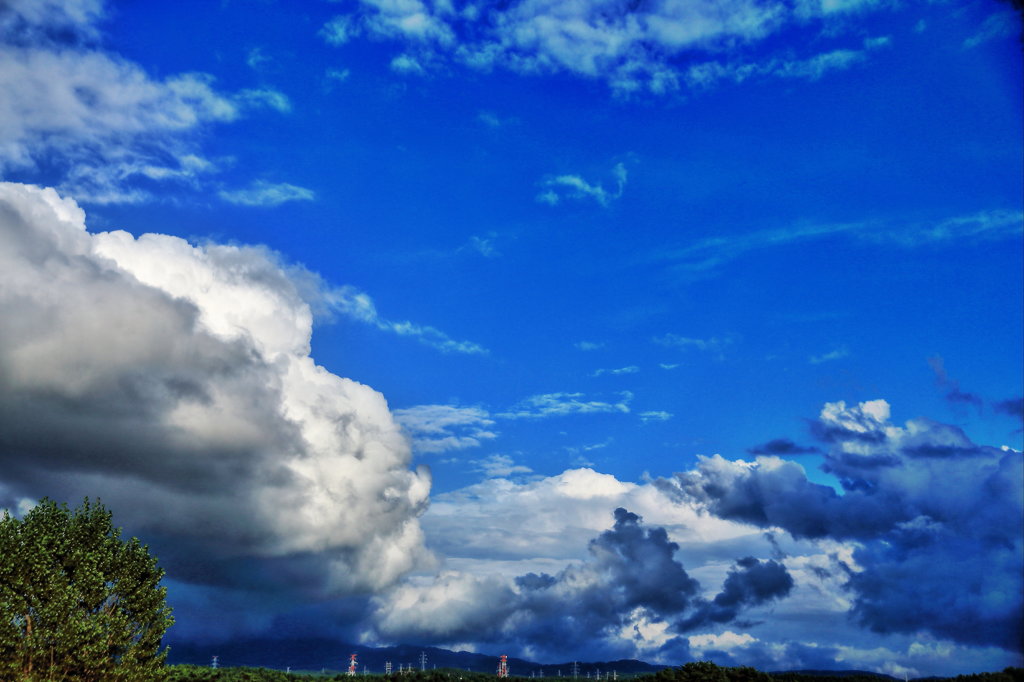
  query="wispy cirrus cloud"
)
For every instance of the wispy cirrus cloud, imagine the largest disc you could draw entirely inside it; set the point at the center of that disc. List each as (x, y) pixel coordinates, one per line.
(355, 304)
(998, 25)
(485, 246)
(589, 447)
(438, 428)
(712, 344)
(835, 354)
(704, 256)
(407, 64)
(337, 76)
(257, 59)
(630, 369)
(500, 466)
(265, 97)
(493, 120)
(811, 68)
(339, 30)
(262, 193)
(562, 404)
(631, 48)
(560, 187)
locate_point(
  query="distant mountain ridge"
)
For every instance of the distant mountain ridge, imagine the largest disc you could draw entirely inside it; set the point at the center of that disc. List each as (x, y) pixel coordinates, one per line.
(317, 653)
(312, 653)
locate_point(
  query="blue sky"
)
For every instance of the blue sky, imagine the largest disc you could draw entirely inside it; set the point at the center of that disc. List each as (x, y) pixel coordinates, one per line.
(579, 249)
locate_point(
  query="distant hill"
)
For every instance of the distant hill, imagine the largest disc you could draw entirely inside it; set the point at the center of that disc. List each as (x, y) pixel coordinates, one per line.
(314, 654)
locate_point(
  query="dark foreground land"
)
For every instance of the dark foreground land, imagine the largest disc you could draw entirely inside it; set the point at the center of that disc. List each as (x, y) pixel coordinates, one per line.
(691, 672)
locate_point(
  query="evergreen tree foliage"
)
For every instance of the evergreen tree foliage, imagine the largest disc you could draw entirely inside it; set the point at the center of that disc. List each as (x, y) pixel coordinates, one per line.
(76, 601)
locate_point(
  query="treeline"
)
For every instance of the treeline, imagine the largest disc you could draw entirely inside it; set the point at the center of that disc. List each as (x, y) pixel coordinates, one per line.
(703, 671)
(194, 673)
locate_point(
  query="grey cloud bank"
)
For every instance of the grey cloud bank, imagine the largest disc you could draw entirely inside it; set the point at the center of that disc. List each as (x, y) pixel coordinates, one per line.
(630, 576)
(936, 519)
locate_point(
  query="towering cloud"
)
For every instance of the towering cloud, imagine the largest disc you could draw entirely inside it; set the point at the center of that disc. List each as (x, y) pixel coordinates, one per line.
(175, 382)
(936, 519)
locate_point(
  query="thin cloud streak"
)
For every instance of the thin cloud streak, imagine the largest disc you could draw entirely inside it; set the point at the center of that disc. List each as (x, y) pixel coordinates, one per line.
(574, 187)
(811, 68)
(262, 193)
(351, 302)
(705, 256)
(630, 369)
(561, 404)
(837, 354)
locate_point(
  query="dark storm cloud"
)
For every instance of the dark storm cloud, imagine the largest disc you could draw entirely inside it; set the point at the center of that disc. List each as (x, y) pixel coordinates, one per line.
(782, 446)
(640, 566)
(631, 573)
(838, 433)
(1013, 407)
(532, 582)
(951, 386)
(174, 383)
(754, 582)
(780, 497)
(749, 583)
(937, 518)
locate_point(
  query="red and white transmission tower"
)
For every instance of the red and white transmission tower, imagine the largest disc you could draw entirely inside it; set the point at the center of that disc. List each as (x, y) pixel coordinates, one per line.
(503, 667)
(352, 665)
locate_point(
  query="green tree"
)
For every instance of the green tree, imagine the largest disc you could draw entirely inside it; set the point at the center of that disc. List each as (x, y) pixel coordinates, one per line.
(76, 601)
